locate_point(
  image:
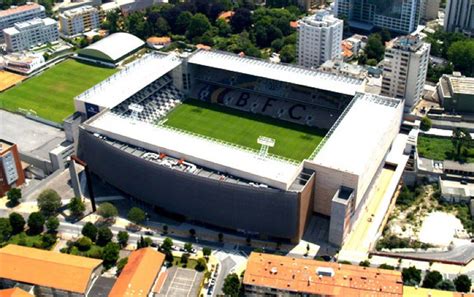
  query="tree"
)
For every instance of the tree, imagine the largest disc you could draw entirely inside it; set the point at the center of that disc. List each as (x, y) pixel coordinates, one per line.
(17, 222)
(136, 24)
(90, 230)
(375, 48)
(112, 20)
(460, 139)
(136, 215)
(277, 45)
(5, 229)
(223, 28)
(365, 263)
(36, 222)
(76, 207)
(425, 124)
(165, 229)
(122, 238)
(83, 42)
(198, 25)
(201, 264)
(13, 196)
(241, 20)
(220, 236)
(463, 283)
(121, 264)
(52, 224)
(184, 258)
(167, 245)
(110, 254)
(231, 285)
(48, 240)
(161, 26)
(411, 276)
(385, 35)
(192, 232)
(288, 53)
(84, 243)
(107, 210)
(206, 251)
(49, 202)
(372, 62)
(386, 266)
(446, 285)
(461, 54)
(431, 280)
(188, 247)
(182, 22)
(104, 236)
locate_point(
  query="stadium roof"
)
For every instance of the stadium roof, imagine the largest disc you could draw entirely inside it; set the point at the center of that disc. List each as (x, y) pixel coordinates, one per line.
(138, 276)
(319, 278)
(127, 82)
(355, 137)
(208, 153)
(281, 72)
(46, 268)
(113, 47)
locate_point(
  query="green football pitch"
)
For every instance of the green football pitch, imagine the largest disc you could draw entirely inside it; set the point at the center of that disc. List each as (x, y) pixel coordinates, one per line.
(292, 141)
(51, 93)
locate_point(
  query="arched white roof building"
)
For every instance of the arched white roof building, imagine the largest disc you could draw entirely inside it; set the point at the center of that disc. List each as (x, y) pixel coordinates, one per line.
(112, 48)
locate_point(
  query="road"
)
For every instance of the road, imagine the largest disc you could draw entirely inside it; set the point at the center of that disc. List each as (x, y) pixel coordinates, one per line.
(463, 253)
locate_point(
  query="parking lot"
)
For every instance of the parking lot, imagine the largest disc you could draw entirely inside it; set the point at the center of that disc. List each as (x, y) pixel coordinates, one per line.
(181, 282)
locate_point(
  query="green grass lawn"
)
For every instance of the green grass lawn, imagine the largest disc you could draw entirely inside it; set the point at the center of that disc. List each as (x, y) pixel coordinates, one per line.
(439, 148)
(26, 240)
(292, 141)
(51, 93)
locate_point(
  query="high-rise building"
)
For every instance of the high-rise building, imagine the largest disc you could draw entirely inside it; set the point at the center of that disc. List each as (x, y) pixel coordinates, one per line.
(430, 9)
(33, 32)
(19, 14)
(402, 16)
(310, 4)
(459, 17)
(319, 39)
(79, 20)
(405, 67)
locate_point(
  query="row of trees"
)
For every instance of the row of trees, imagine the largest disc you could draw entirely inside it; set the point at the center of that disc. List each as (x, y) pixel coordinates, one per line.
(434, 280)
(198, 22)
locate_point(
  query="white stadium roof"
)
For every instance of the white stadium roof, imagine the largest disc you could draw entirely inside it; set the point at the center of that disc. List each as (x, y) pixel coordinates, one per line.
(355, 138)
(127, 82)
(281, 72)
(204, 152)
(113, 47)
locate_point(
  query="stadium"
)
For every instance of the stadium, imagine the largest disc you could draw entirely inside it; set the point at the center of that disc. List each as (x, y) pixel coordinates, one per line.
(239, 143)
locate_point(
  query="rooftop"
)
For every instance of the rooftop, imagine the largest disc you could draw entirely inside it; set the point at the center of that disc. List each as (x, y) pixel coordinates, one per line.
(320, 278)
(321, 18)
(280, 72)
(205, 152)
(78, 11)
(130, 80)
(46, 268)
(113, 47)
(353, 140)
(138, 276)
(18, 27)
(462, 85)
(20, 9)
(14, 292)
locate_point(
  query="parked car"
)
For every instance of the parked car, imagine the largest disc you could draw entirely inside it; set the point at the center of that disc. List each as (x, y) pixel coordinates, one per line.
(149, 233)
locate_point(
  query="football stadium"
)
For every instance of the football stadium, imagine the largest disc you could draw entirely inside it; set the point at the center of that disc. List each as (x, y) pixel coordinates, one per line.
(239, 143)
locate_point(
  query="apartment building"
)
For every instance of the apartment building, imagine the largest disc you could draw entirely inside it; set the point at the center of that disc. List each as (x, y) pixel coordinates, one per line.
(405, 67)
(459, 17)
(30, 33)
(402, 16)
(19, 14)
(319, 39)
(79, 20)
(273, 275)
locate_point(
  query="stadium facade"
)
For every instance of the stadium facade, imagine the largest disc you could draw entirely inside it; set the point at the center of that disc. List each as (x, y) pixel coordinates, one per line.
(126, 142)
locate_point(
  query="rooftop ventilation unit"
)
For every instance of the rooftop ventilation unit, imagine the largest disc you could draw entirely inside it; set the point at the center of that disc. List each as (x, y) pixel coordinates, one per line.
(325, 271)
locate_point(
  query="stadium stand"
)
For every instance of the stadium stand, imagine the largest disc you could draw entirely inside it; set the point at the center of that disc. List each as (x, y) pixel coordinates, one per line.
(157, 99)
(275, 107)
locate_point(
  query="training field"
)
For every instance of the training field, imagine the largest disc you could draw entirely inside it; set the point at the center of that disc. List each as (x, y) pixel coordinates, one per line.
(51, 93)
(292, 141)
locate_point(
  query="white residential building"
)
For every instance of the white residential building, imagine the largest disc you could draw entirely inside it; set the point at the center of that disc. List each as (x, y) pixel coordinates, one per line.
(405, 67)
(79, 20)
(19, 14)
(319, 39)
(459, 17)
(30, 33)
